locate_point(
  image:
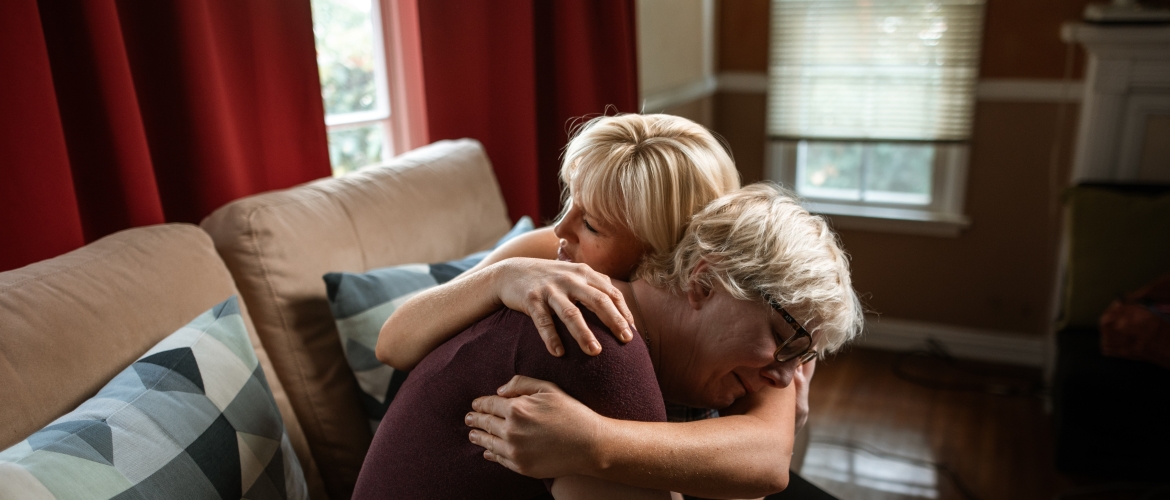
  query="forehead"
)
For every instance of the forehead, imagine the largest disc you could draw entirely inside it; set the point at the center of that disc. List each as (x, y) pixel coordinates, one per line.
(599, 202)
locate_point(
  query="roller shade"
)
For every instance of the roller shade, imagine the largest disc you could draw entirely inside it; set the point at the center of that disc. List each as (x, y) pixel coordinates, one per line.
(874, 70)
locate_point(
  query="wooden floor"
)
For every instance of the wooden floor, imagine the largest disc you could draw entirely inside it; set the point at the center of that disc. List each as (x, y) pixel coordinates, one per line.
(872, 434)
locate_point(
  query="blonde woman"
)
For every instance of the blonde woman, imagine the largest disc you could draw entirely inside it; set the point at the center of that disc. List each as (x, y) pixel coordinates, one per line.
(634, 182)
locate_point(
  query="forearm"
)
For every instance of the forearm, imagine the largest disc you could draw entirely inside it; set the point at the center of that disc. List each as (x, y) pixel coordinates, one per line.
(432, 317)
(574, 487)
(736, 456)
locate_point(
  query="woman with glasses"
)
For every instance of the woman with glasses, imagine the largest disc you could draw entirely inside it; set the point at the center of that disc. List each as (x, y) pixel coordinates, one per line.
(716, 330)
(776, 261)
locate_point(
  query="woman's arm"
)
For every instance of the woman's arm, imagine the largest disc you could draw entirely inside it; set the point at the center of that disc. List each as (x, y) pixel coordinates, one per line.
(538, 287)
(540, 431)
(573, 487)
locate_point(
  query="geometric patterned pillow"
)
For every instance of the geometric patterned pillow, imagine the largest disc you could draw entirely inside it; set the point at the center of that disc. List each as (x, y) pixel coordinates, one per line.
(191, 418)
(361, 304)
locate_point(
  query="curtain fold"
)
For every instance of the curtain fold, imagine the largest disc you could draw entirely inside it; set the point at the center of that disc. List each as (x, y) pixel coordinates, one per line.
(163, 112)
(515, 74)
(39, 216)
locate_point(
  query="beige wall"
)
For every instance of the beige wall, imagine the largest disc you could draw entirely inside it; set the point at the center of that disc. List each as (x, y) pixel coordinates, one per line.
(671, 48)
(998, 274)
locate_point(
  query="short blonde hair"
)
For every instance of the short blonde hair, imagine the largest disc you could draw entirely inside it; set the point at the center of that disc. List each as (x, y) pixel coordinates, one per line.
(648, 172)
(759, 242)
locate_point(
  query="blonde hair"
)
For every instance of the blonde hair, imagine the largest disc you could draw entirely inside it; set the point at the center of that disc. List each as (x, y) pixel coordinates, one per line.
(648, 172)
(759, 242)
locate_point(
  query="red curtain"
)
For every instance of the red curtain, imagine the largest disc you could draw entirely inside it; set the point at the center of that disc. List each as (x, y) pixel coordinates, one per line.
(120, 114)
(513, 74)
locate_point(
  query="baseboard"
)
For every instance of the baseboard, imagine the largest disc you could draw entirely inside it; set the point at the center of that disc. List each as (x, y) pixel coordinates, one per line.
(962, 342)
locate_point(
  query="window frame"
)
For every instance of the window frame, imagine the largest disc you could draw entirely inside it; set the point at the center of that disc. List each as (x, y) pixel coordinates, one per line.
(943, 216)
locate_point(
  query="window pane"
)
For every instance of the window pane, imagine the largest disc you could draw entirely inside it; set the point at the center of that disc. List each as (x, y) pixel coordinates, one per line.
(829, 169)
(345, 55)
(353, 148)
(899, 173)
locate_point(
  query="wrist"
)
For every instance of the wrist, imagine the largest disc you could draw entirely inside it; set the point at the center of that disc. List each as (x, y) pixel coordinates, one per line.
(602, 456)
(497, 274)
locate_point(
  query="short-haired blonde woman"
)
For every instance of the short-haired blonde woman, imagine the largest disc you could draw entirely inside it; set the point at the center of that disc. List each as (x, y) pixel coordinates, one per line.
(634, 182)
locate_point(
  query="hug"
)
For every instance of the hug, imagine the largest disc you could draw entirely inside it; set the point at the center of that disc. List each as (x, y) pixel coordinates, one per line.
(663, 288)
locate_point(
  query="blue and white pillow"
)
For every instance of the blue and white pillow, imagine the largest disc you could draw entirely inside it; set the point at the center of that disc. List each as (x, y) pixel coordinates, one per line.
(362, 303)
(192, 418)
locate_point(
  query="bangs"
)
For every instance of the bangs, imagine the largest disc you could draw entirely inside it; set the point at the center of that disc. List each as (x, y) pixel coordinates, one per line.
(600, 189)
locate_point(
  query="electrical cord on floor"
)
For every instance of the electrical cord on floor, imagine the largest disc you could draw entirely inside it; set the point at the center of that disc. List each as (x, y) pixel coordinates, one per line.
(942, 467)
(980, 381)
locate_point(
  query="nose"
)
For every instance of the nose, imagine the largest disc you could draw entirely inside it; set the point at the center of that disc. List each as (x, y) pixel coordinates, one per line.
(780, 374)
(559, 229)
(563, 227)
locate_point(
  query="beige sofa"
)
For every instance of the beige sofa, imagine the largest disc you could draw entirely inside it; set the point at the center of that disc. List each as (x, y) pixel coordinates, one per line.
(69, 324)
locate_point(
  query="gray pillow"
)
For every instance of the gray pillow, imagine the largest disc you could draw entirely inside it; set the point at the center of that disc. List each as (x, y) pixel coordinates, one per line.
(362, 303)
(192, 418)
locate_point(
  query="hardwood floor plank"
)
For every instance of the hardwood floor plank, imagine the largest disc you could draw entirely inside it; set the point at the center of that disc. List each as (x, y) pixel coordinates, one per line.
(1000, 447)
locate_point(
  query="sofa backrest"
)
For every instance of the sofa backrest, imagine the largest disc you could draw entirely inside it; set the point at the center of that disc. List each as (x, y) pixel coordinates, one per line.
(432, 204)
(70, 323)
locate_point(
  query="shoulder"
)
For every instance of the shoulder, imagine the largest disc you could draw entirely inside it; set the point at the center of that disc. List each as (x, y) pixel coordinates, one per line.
(618, 383)
(538, 243)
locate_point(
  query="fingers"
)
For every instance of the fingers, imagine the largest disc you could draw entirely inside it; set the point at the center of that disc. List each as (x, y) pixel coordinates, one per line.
(547, 288)
(487, 422)
(609, 304)
(604, 305)
(545, 326)
(518, 386)
(502, 460)
(574, 321)
(494, 405)
(498, 448)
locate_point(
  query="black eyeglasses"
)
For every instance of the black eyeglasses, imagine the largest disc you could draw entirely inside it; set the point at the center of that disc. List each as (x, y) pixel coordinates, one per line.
(798, 346)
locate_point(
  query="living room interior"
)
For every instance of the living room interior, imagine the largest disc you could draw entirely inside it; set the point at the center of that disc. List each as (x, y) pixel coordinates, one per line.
(1011, 256)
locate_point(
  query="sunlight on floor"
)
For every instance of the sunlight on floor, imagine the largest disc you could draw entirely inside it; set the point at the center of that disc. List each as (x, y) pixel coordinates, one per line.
(855, 473)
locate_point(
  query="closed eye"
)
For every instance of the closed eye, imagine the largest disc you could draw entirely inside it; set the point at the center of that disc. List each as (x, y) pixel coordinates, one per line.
(588, 226)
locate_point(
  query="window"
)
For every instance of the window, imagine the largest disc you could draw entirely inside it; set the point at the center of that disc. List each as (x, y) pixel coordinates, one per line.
(870, 105)
(354, 85)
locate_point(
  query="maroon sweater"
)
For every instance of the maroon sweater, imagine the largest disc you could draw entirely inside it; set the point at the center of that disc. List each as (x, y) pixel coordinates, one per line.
(421, 448)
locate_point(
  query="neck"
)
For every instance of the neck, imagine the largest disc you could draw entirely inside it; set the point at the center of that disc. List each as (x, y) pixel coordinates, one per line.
(652, 316)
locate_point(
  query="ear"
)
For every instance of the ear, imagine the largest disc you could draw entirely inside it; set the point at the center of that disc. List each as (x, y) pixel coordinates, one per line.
(699, 293)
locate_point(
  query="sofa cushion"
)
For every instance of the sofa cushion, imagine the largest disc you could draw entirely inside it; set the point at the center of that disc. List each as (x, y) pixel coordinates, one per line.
(192, 417)
(69, 324)
(432, 204)
(362, 302)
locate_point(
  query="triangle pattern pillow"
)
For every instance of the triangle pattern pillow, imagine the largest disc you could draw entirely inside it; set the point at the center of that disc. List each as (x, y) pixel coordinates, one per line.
(192, 418)
(361, 303)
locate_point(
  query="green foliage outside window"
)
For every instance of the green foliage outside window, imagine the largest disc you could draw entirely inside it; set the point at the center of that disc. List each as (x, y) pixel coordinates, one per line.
(346, 64)
(345, 55)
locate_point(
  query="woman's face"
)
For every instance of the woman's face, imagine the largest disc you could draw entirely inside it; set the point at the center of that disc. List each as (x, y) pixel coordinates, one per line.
(610, 249)
(727, 351)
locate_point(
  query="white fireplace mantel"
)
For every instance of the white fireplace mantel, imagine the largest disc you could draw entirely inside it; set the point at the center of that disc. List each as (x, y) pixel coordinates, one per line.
(1124, 132)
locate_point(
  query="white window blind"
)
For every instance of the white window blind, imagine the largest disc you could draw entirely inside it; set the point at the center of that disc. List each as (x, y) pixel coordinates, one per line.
(873, 69)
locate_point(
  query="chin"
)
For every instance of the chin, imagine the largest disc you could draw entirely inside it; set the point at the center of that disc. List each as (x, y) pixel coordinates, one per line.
(725, 404)
(719, 402)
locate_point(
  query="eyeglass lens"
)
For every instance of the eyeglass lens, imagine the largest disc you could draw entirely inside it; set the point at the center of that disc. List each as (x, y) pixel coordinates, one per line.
(796, 347)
